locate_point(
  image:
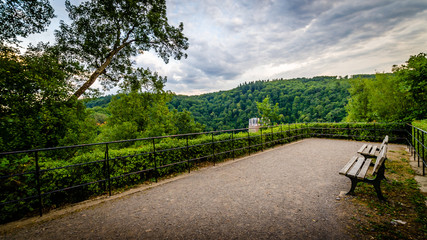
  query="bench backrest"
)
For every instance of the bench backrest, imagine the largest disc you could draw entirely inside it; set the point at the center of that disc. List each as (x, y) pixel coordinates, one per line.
(385, 142)
(380, 160)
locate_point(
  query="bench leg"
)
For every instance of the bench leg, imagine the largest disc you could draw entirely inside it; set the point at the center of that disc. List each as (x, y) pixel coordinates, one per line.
(378, 190)
(353, 186)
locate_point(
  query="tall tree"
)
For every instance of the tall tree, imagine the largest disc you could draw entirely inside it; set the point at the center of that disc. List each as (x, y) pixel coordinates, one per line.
(413, 77)
(105, 34)
(34, 110)
(23, 17)
(269, 113)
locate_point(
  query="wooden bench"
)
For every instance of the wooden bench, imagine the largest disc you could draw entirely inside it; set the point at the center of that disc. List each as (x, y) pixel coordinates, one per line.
(371, 151)
(357, 168)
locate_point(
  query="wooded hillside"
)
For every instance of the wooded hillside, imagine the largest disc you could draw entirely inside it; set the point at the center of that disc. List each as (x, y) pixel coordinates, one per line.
(300, 100)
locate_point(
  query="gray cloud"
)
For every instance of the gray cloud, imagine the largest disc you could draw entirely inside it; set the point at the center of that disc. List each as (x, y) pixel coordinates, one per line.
(236, 41)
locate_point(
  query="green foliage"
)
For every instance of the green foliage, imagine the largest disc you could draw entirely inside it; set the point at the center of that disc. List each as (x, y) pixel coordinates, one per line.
(185, 123)
(413, 78)
(377, 99)
(318, 99)
(400, 96)
(35, 111)
(269, 113)
(421, 124)
(143, 114)
(19, 18)
(101, 102)
(104, 35)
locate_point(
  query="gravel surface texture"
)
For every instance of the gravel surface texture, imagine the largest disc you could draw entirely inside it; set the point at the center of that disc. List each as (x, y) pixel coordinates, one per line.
(288, 192)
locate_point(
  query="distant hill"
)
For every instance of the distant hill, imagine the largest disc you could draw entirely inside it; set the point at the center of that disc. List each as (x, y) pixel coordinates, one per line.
(319, 98)
(300, 100)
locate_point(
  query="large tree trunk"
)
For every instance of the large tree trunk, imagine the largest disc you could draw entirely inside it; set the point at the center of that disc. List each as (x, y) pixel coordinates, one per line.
(99, 71)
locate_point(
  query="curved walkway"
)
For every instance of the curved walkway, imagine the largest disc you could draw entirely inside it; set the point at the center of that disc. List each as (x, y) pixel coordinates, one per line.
(288, 192)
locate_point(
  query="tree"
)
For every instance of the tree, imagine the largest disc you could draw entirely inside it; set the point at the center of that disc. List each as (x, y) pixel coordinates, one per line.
(358, 107)
(23, 17)
(105, 34)
(413, 78)
(185, 123)
(269, 113)
(35, 110)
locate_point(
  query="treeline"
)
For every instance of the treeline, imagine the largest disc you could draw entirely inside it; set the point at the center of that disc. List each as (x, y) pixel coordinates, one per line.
(317, 99)
(391, 97)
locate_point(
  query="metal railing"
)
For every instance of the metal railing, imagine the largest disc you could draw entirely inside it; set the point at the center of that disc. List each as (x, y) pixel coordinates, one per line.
(417, 143)
(47, 178)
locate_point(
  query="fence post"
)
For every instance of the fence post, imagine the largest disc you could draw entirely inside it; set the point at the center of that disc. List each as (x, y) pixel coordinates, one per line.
(232, 142)
(154, 159)
(262, 146)
(272, 138)
(348, 130)
(213, 148)
(422, 137)
(281, 134)
(415, 143)
(38, 184)
(188, 157)
(375, 132)
(418, 145)
(249, 144)
(107, 165)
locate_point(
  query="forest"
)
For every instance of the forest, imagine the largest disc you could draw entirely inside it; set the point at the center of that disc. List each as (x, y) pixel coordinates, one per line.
(317, 99)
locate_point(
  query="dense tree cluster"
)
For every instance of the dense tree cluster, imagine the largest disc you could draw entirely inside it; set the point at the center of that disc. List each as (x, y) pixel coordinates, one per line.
(318, 99)
(397, 96)
(40, 88)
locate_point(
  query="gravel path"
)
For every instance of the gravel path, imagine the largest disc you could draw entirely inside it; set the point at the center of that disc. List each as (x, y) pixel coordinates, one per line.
(288, 192)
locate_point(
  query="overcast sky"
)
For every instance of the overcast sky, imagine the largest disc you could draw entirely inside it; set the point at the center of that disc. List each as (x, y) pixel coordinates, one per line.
(236, 41)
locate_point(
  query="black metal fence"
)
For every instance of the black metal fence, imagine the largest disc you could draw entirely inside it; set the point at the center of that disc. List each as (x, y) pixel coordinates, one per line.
(48, 178)
(417, 142)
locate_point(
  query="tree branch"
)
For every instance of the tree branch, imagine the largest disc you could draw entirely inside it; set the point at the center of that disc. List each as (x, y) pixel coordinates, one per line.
(100, 69)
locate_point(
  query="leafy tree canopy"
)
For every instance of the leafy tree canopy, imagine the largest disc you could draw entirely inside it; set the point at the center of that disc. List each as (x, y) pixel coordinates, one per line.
(105, 34)
(269, 113)
(34, 107)
(413, 78)
(400, 96)
(19, 18)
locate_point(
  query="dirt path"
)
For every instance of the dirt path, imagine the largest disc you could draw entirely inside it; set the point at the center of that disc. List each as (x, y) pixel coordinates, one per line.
(285, 193)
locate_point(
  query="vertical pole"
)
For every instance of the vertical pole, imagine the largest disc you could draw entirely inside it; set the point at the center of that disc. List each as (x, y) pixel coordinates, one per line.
(375, 131)
(213, 148)
(272, 137)
(249, 144)
(415, 144)
(154, 159)
(188, 157)
(38, 184)
(281, 133)
(418, 145)
(422, 137)
(232, 142)
(107, 164)
(262, 146)
(348, 130)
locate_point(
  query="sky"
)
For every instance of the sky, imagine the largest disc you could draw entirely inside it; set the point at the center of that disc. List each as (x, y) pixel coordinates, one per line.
(232, 42)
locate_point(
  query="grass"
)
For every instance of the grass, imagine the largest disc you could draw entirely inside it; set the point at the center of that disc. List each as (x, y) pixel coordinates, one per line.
(405, 202)
(421, 124)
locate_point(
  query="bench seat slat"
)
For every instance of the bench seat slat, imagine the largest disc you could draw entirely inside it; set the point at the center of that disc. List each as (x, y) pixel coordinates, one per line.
(380, 159)
(367, 149)
(373, 150)
(356, 167)
(362, 148)
(350, 163)
(364, 169)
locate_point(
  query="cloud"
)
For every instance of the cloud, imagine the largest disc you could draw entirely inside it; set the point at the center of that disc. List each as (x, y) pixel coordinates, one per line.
(236, 41)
